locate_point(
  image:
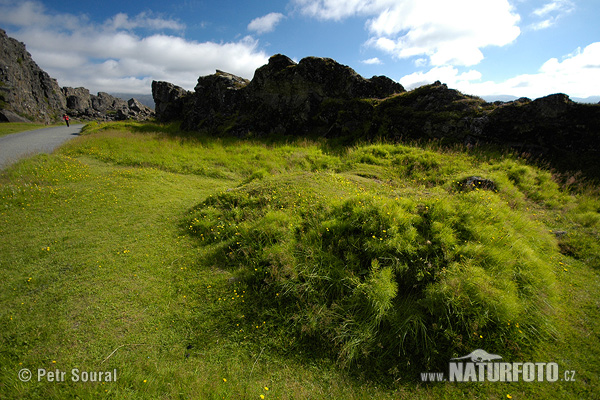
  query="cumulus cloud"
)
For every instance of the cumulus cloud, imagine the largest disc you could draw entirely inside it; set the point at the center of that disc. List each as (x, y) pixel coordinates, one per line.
(124, 53)
(266, 23)
(372, 61)
(578, 75)
(447, 32)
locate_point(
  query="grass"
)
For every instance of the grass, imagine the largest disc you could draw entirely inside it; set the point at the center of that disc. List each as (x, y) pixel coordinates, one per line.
(6, 128)
(217, 268)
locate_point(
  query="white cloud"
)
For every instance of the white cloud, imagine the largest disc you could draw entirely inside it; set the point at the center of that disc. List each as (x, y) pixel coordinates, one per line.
(142, 20)
(547, 23)
(551, 12)
(340, 9)
(372, 61)
(577, 75)
(554, 6)
(112, 57)
(266, 23)
(420, 62)
(447, 32)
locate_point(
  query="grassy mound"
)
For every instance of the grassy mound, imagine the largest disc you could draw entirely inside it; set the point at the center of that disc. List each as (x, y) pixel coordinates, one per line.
(381, 278)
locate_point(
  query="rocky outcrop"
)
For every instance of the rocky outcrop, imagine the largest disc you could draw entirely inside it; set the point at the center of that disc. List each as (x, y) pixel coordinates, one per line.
(79, 99)
(25, 89)
(552, 128)
(83, 105)
(290, 98)
(431, 112)
(169, 100)
(283, 97)
(27, 93)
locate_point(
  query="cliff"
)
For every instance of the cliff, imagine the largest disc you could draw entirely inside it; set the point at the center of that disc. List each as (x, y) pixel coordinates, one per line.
(27, 93)
(25, 89)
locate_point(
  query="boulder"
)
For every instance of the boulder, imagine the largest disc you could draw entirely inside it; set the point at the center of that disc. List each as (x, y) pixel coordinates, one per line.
(135, 106)
(168, 100)
(9, 116)
(104, 102)
(138, 111)
(477, 183)
(79, 99)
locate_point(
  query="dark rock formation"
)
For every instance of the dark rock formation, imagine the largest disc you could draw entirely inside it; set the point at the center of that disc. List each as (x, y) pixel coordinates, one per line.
(286, 97)
(25, 89)
(168, 100)
(27, 93)
(552, 128)
(78, 99)
(431, 112)
(216, 98)
(283, 97)
(83, 105)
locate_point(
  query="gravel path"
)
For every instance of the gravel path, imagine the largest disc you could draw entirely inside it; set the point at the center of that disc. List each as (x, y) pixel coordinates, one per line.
(45, 140)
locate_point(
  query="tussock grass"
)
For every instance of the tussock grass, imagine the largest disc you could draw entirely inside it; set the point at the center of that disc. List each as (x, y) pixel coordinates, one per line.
(204, 267)
(342, 265)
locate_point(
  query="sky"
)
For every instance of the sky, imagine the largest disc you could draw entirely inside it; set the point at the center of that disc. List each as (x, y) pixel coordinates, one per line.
(522, 48)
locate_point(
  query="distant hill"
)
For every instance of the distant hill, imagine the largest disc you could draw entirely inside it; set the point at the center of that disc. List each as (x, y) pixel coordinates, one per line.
(507, 98)
(591, 99)
(145, 99)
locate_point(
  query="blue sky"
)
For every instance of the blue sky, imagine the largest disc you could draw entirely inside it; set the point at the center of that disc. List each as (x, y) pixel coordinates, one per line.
(526, 48)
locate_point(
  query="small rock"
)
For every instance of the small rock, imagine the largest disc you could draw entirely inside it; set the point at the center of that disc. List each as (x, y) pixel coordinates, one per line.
(477, 182)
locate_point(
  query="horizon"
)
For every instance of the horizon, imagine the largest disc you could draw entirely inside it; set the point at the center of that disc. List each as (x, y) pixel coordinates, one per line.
(518, 48)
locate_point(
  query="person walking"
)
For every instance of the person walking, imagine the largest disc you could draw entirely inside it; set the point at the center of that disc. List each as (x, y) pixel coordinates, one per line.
(66, 118)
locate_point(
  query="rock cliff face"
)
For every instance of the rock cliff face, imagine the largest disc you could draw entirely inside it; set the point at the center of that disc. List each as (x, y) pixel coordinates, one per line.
(27, 93)
(25, 89)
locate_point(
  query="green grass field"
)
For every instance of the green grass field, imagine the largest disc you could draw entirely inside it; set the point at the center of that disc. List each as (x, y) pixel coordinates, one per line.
(217, 268)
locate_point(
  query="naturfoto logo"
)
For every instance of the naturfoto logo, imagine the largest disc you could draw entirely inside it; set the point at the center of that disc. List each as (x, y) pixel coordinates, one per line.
(481, 366)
